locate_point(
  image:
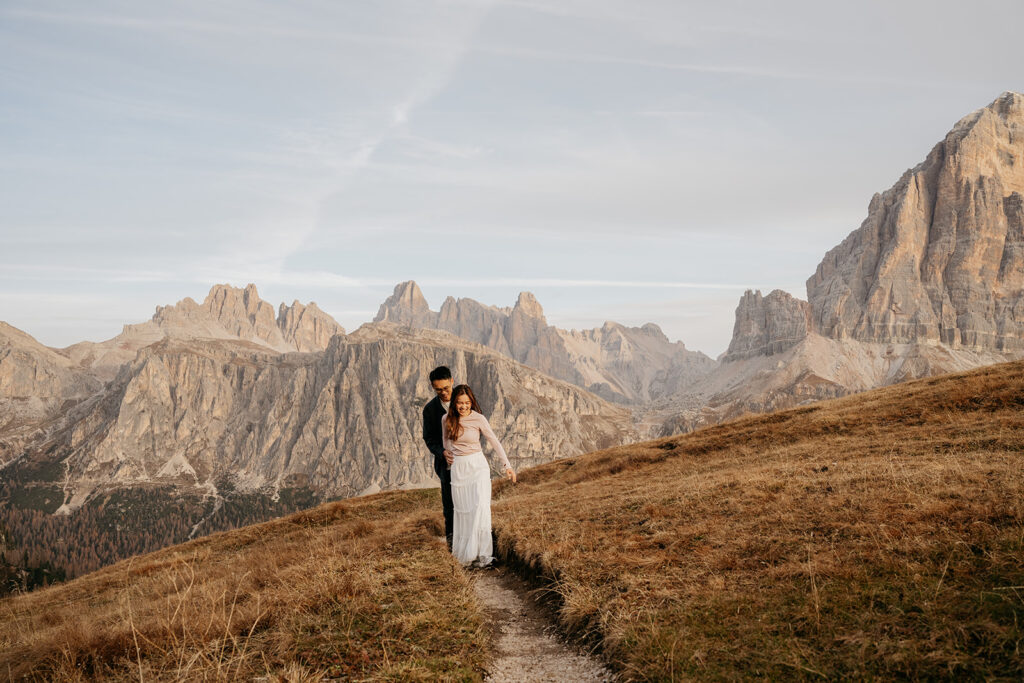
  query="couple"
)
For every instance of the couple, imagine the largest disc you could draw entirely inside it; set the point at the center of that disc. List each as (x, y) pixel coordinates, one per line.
(452, 426)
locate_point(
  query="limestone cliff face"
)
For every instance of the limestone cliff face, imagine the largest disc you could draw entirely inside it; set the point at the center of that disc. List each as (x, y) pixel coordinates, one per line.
(306, 328)
(521, 333)
(639, 363)
(931, 282)
(344, 421)
(36, 381)
(766, 325)
(814, 369)
(940, 257)
(226, 313)
(627, 365)
(233, 313)
(407, 306)
(239, 313)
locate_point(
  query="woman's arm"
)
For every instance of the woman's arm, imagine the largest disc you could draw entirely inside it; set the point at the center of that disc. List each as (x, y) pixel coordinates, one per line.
(485, 429)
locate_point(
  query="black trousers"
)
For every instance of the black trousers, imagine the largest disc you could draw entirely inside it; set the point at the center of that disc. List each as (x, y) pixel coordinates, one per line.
(445, 475)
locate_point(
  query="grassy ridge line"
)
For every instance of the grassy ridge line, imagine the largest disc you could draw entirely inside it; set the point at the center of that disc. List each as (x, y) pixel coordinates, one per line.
(356, 590)
(875, 536)
(880, 535)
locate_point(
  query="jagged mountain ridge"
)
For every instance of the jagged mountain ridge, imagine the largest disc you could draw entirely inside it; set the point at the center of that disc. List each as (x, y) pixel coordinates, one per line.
(784, 350)
(940, 257)
(624, 364)
(226, 313)
(35, 380)
(343, 421)
(931, 282)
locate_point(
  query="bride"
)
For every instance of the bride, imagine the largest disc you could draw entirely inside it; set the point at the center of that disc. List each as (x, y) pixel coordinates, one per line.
(471, 477)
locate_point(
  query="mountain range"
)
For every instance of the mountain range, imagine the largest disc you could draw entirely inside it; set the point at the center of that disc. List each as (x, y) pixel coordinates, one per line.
(624, 364)
(931, 282)
(221, 395)
(229, 396)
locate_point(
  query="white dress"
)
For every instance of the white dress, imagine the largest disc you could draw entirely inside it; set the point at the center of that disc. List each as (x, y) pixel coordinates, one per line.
(471, 490)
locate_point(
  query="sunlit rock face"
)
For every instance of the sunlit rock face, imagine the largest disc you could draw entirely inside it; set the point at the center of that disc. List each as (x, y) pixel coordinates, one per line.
(940, 257)
(36, 381)
(342, 421)
(624, 364)
(931, 282)
(226, 313)
(767, 325)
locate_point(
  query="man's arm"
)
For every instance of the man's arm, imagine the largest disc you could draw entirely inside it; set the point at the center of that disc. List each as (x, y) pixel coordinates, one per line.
(432, 432)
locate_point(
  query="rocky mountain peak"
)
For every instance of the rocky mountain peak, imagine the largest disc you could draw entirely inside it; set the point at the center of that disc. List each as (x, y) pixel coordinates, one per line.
(654, 330)
(618, 363)
(528, 305)
(940, 257)
(242, 313)
(766, 325)
(225, 301)
(987, 142)
(1007, 108)
(406, 306)
(226, 313)
(36, 380)
(307, 327)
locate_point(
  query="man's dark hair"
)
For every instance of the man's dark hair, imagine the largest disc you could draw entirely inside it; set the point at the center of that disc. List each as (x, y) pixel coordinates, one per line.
(440, 372)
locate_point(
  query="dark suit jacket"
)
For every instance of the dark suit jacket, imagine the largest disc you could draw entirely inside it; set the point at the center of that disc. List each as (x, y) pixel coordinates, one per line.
(432, 414)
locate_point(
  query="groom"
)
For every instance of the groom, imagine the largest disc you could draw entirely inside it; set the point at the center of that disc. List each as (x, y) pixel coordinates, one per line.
(441, 382)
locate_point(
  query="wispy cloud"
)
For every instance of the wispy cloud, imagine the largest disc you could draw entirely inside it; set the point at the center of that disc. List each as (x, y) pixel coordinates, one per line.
(63, 273)
(401, 110)
(599, 152)
(624, 60)
(443, 63)
(177, 26)
(260, 275)
(268, 277)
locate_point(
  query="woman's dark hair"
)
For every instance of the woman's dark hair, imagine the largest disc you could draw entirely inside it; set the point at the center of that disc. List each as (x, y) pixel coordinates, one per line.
(451, 422)
(440, 372)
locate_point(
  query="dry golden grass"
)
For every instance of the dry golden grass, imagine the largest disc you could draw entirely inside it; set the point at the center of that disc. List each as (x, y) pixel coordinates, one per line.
(360, 589)
(880, 535)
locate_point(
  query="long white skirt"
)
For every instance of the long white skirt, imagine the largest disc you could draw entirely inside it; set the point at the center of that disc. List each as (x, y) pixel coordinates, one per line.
(471, 496)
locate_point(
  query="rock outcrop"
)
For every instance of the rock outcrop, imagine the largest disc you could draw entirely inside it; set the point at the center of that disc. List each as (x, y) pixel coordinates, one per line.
(767, 325)
(638, 363)
(940, 257)
(407, 306)
(36, 381)
(226, 313)
(931, 282)
(306, 328)
(815, 369)
(343, 421)
(623, 364)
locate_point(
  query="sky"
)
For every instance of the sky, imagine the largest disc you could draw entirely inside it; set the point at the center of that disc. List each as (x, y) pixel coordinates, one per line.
(628, 160)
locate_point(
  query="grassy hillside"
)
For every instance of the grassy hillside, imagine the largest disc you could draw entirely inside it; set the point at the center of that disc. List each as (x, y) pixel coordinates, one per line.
(349, 590)
(876, 536)
(880, 535)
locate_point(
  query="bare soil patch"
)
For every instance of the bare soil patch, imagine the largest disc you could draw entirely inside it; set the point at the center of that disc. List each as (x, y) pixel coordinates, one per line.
(527, 645)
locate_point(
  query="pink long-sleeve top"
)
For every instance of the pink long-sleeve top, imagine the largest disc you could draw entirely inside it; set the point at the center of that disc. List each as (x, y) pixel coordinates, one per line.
(473, 426)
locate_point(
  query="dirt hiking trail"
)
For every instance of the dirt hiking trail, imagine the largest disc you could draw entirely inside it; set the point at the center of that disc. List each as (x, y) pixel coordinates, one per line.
(527, 645)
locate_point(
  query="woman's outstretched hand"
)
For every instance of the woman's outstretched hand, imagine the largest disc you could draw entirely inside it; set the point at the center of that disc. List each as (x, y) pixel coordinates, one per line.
(510, 474)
